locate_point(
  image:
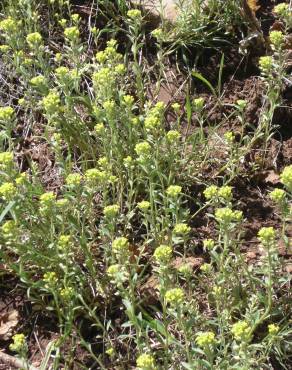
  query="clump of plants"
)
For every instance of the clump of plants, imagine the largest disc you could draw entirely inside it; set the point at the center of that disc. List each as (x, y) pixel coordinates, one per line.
(123, 208)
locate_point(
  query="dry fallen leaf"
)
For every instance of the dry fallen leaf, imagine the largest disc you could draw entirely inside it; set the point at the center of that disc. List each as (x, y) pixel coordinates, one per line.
(272, 177)
(8, 321)
(193, 262)
(253, 5)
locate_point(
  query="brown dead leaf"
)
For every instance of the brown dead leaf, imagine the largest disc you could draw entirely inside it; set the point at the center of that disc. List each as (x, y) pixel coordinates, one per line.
(272, 177)
(288, 268)
(148, 290)
(193, 262)
(8, 322)
(253, 5)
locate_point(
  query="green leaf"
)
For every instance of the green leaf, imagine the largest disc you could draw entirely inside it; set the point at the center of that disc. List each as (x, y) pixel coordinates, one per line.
(204, 80)
(6, 210)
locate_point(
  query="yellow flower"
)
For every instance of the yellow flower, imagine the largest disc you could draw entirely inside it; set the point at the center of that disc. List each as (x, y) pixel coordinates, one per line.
(50, 278)
(38, 81)
(205, 339)
(64, 241)
(9, 25)
(134, 14)
(34, 40)
(99, 128)
(143, 149)
(163, 254)
(72, 33)
(145, 362)
(286, 177)
(94, 175)
(273, 329)
(9, 228)
(281, 9)
(209, 244)
(51, 102)
(278, 195)
(111, 211)
(225, 192)
(241, 331)
(113, 270)
(8, 191)
(120, 245)
(173, 191)
(173, 136)
(144, 205)
(175, 296)
(21, 179)
(211, 192)
(47, 199)
(198, 104)
(18, 344)
(6, 113)
(226, 215)
(182, 229)
(67, 293)
(229, 137)
(73, 179)
(6, 159)
(266, 64)
(267, 235)
(276, 38)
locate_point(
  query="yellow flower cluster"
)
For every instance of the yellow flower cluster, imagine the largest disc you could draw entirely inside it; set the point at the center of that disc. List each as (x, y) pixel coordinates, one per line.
(145, 362)
(143, 149)
(278, 196)
(47, 199)
(153, 119)
(34, 40)
(163, 254)
(209, 244)
(173, 136)
(8, 191)
(277, 39)
(120, 245)
(6, 159)
(67, 293)
(241, 331)
(64, 242)
(94, 176)
(38, 81)
(144, 205)
(182, 229)
(267, 235)
(51, 102)
(9, 25)
(205, 339)
(50, 278)
(6, 113)
(266, 64)
(110, 55)
(281, 9)
(72, 33)
(273, 329)
(286, 177)
(134, 14)
(212, 192)
(18, 344)
(9, 228)
(226, 216)
(173, 191)
(73, 179)
(111, 211)
(175, 296)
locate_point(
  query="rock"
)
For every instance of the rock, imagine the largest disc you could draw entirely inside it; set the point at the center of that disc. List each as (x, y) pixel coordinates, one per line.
(157, 7)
